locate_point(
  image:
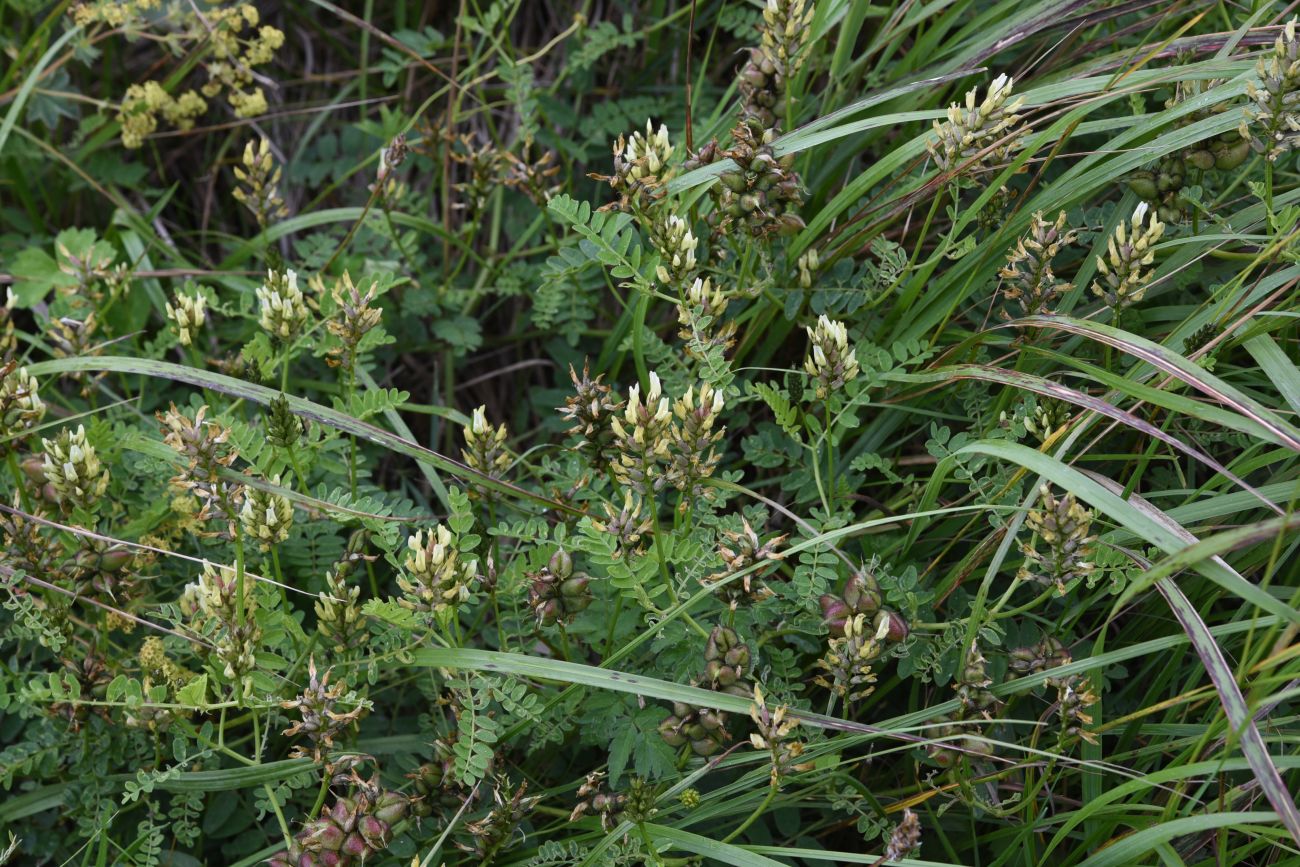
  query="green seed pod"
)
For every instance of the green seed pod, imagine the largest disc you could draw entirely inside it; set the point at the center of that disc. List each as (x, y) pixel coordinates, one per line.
(562, 564)
(34, 468)
(1202, 159)
(734, 181)
(1230, 156)
(1143, 183)
(1021, 659)
(670, 731)
(789, 224)
(390, 807)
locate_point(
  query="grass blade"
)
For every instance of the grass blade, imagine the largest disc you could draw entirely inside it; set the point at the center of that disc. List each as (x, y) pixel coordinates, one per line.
(1123, 513)
(1177, 366)
(321, 414)
(1129, 850)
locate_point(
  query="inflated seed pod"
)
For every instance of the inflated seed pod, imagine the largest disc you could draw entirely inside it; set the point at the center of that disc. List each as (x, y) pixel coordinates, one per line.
(727, 657)
(1201, 158)
(897, 628)
(34, 468)
(1230, 155)
(1142, 183)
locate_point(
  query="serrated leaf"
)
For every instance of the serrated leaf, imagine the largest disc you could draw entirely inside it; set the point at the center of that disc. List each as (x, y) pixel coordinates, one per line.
(390, 612)
(36, 275)
(194, 693)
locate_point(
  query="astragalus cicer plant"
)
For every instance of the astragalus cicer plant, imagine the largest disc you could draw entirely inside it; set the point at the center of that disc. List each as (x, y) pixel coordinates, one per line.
(576, 434)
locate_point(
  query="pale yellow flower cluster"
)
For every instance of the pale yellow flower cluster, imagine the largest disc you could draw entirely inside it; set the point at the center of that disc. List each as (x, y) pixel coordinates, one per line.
(234, 43)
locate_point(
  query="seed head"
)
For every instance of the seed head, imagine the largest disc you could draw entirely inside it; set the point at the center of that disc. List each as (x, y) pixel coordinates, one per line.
(739, 552)
(1063, 526)
(1028, 278)
(704, 729)
(727, 661)
(488, 834)
(1046, 654)
(556, 593)
(763, 80)
(906, 839)
(597, 798)
(591, 411)
(321, 721)
(861, 596)
(762, 193)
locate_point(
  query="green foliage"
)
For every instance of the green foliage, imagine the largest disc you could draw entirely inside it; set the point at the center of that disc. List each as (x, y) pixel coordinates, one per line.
(502, 435)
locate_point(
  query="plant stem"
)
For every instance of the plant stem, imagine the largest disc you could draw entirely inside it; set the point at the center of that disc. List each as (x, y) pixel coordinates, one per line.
(650, 849)
(279, 815)
(279, 578)
(638, 340)
(753, 817)
(239, 572)
(830, 451)
(300, 478)
(663, 567)
(257, 739)
(352, 439)
(20, 480)
(1268, 187)
(320, 794)
(613, 622)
